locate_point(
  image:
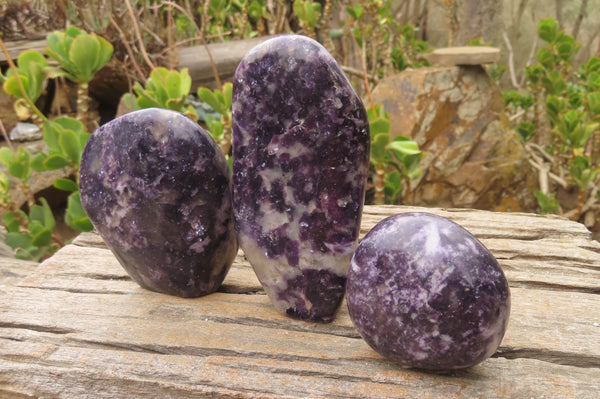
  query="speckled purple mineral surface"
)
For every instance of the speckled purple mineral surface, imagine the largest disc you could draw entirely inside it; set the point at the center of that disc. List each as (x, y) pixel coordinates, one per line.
(157, 188)
(300, 161)
(424, 292)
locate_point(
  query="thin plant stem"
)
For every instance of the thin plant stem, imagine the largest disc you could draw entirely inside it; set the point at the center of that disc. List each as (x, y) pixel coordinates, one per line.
(364, 72)
(379, 183)
(189, 39)
(138, 35)
(170, 25)
(202, 38)
(6, 138)
(137, 68)
(82, 103)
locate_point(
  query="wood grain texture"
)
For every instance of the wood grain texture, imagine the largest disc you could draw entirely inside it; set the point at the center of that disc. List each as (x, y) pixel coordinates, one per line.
(12, 271)
(16, 47)
(78, 327)
(226, 55)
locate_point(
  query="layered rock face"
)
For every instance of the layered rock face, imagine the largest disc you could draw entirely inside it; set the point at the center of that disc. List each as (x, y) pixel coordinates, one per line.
(472, 159)
(157, 188)
(300, 162)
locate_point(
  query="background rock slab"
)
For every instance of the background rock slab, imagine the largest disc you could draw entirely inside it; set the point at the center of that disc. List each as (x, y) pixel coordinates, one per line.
(472, 159)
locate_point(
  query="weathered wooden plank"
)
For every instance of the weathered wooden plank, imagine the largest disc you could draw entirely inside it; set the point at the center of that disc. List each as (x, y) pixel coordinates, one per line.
(560, 326)
(486, 224)
(79, 327)
(106, 373)
(13, 271)
(538, 328)
(539, 251)
(143, 335)
(16, 47)
(226, 55)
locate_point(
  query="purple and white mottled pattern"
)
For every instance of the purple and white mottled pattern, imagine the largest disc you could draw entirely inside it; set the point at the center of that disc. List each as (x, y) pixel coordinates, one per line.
(157, 188)
(426, 293)
(300, 162)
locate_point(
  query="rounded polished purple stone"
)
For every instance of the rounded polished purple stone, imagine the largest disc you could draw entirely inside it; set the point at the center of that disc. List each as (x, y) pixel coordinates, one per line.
(424, 292)
(157, 189)
(300, 161)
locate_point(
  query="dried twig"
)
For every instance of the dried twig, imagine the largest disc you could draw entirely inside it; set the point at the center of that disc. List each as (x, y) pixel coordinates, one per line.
(189, 39)
(530, 58)
(6, 138)
(542, 161)
(356, 72)
(137, 68)
(511, 61)
(202, 38)
(138, 35)
(517, 115)
(590, 204)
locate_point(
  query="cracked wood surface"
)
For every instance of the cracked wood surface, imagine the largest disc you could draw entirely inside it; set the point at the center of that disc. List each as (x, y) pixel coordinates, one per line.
(78, 327)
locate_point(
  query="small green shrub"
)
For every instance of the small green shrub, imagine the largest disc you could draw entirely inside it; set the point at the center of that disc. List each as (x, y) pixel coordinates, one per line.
(561, 123)
(395, 161)
(164, 89)
(80, 55)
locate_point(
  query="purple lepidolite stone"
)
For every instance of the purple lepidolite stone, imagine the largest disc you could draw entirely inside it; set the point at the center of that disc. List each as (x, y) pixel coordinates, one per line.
(424, 292)
(157, 188)
(300, 161)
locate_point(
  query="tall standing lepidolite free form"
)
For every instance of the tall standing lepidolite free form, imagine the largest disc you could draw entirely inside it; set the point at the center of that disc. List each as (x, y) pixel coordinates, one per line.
(157, 188)
(300, 162)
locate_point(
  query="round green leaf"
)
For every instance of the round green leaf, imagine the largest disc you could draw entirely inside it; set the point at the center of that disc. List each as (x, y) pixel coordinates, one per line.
(66, 185)
(548, 30)
(378, 147)
(11, 222)
(69, 144)
(76, 216)
(17, 169)
(42, 238)
(404, 147)
(210, 98)
(6, 156)
(55, 161)
(11, 86)
(18, 240)
(37, 163)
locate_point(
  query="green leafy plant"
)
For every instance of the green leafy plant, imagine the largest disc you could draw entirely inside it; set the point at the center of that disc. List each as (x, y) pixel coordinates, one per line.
(80, 56)
(29, 235)
(385, 46)
(220, 101)
(66, 138)
(558, 118)
(26, 82)
(308, 13)
(31, 232)
(233, 19)
(395, 161)
(548, 202)
(406, 53)
(164, 89)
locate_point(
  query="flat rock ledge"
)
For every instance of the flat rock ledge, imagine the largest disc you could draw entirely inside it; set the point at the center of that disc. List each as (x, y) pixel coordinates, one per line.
(465, 55)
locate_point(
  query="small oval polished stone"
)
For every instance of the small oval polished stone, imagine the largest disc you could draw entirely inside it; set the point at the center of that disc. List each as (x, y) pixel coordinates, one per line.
(424, 292)
(157, 189)
(300, 162)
